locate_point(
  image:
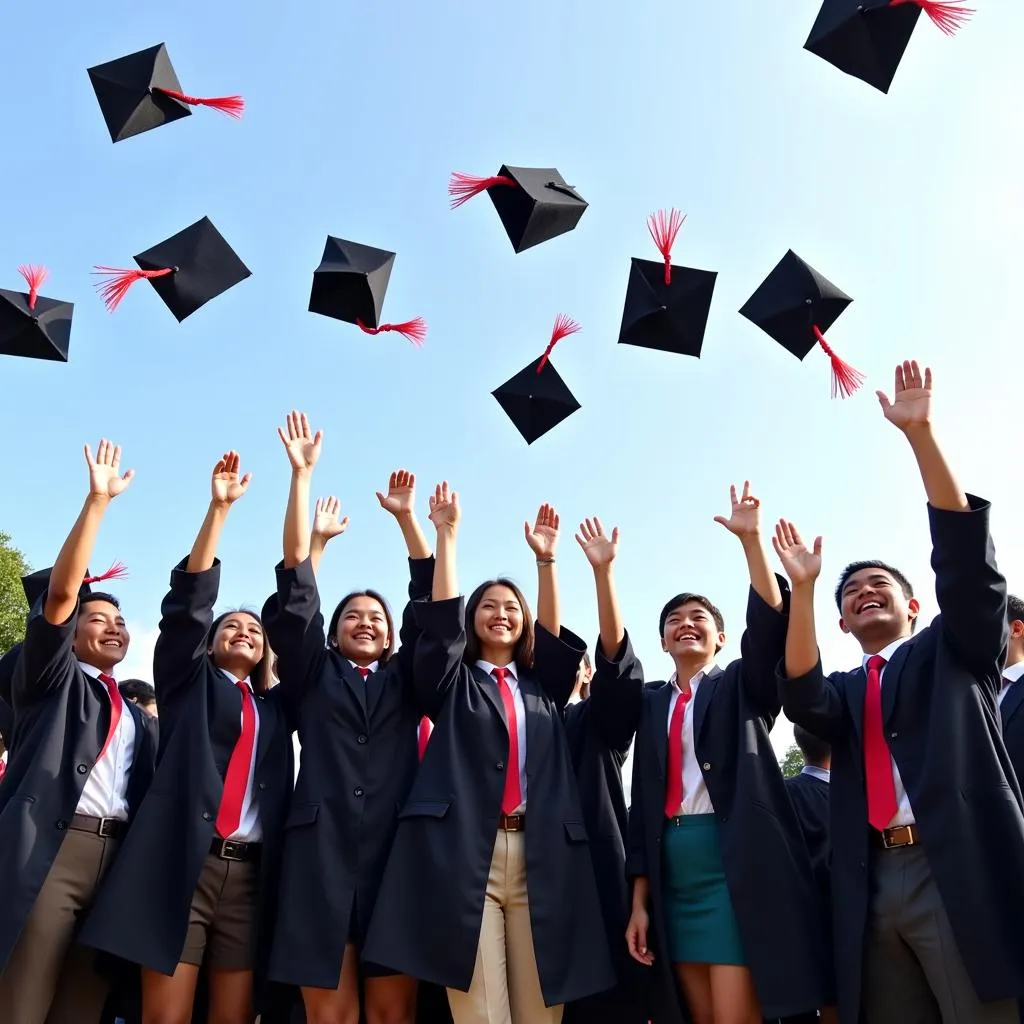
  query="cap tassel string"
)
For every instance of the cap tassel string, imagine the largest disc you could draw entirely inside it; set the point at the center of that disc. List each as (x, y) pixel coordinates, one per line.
(414, 330)
(116, 288)
(116, 572)
(845, 379)
(34, 278)
(947, 15)
(564, 326)
(233, 106)
(462, 187)
(664, 226)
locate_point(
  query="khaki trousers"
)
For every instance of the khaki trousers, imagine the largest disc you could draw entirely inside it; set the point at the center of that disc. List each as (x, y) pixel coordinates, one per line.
(48, 980)
(506, 986)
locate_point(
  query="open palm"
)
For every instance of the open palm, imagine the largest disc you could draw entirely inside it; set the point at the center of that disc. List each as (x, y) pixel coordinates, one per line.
(543, 537)
(327, 521)
(401, 493)
(599, 548)
(302, 446)
(105, 477)
(745, 518)
(226, 485)
(802, 564)
(912, 399)
(444, 506)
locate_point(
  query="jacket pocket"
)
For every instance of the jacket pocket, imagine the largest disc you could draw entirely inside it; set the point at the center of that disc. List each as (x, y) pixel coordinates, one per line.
(576, 832)
(425, 809)
(302, 814)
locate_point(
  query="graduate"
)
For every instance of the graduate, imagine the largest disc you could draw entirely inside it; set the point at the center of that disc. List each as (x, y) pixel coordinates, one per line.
(722, 886)
(210, 830)
(81, 763)
(927, 829)
(489, 889)
(357, 724)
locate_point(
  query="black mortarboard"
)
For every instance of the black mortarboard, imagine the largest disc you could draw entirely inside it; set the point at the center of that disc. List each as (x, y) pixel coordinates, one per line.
(35, 583)
(795, 305)
(187, 270)
(867, 38)
(666, 307)
(534, 203)
(31, 325)
(536, 398)
(141, 91)
(350, 285)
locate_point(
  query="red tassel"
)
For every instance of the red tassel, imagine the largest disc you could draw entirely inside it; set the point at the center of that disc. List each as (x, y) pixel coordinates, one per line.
(233, 106)
(664, 226)
(414, 330)
(564, 326)
(947, 15)
(34, 278)
(845, 379)
(114, 290)
(116, 572)
(462, 187)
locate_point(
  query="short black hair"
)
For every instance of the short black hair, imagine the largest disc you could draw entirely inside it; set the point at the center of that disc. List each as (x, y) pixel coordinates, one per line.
(872, 563)
(1014, 608)
(137, 690)
(815, 750)
(98, 595)
(680, 599)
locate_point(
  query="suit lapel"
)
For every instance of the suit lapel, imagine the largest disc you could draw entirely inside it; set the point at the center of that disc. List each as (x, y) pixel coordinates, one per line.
(490, 691)
(659, 722)
(537, 739)
(890, 681)
(1012, 702)
(374, 687)
(855, 686)
(354, 681)
(266, 711)
(705, 691)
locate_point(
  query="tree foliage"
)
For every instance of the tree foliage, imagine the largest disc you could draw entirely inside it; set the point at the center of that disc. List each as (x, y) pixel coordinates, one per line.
(792, 763)
(13, 607)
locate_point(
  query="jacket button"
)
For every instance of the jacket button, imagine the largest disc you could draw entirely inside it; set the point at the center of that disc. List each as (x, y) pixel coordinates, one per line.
(707, 766)
(207, 816)
(61, 825)
(358, 791)
(500, 766)
(361, 738)
(893, 735)
(82, 769)
(263, 785)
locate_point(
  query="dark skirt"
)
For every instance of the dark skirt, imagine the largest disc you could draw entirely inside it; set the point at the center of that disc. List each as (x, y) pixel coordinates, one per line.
(699, 919)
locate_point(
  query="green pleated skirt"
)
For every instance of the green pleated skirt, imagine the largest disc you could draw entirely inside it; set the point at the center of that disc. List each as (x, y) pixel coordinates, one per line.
(699, 918)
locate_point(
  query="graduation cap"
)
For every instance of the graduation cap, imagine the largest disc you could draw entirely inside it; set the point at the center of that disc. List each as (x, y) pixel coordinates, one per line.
(795, 305)
(350, 285)
(187, 270)
(867, 38)
(141, 91)
(35, 583)
(534, 203)
(31, 325)
(536, 398)
(666, 307)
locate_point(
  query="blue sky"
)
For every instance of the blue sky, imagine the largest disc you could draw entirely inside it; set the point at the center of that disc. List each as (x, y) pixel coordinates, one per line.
(355, 116)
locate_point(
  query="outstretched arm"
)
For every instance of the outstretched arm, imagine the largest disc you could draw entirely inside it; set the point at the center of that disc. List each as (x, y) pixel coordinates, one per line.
(303, 450)
(226, 488)
(445, 514)
(543, 540)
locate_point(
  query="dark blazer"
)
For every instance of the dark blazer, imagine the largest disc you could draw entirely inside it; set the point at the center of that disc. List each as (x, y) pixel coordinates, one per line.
(1011, 713)
(158, 867)
(359, 757)
(767, 866)
(942, 725)
(430, 908)
(7, 664)
(600, 730)
(61, 718)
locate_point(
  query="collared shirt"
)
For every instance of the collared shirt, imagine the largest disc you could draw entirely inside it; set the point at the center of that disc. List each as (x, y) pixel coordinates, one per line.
(250, 829)
(106, 789)
(904, 812)
(512, 679)
(1011, 675)
(369, 668)
(696, 799)
(816, 773)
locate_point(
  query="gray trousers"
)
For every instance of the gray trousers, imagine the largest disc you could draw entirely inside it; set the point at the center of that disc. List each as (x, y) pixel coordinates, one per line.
(913, 971)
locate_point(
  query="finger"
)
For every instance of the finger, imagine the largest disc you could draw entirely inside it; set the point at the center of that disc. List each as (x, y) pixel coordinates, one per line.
(779, 550)
(318, 439)
(555, 520)
(582, 543)
(293, 425)
(883, 401)
(928, 378)
(281, 434)
(392, 481)
(526, 530)
(615, 535)
(101, 452)
(915, 373)
(244, 482)
(318, 507)
(455, 498)
(344, 523)
(382, 501)
(732, 494)
(817, 546)
(721, 520)
(304, 422)
(115, 457)
(598, 528)
(412, 480)
(746, 489)
(89, 460)
(128, 477)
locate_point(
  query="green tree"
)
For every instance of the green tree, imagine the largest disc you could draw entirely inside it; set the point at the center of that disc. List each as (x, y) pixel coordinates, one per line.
(13, 607)
(792, 762)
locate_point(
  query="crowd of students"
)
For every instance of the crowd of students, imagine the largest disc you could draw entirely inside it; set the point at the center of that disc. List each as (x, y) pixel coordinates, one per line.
(457, 846)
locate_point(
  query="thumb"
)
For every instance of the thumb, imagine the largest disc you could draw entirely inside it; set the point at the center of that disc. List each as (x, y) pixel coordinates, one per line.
(817, 546)
(721, 520)
(883, 401)
(129, 475)
(380, 498)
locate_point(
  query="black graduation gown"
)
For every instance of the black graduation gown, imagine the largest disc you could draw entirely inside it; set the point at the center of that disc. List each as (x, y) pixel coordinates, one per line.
(430, 908)
(1011, 713)
(359, 756)
(600, 730)
(767, 866)
(61, 719)
(158, 867)
(942, 725)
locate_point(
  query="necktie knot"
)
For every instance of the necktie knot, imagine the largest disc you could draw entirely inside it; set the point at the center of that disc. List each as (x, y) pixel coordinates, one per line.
(108, 681)
(242, 684)
(364, 672)
(876, 663)
(500, 674)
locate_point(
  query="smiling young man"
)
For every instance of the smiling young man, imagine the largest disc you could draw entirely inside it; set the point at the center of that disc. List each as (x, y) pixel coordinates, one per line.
(927, 829)
(83, 758)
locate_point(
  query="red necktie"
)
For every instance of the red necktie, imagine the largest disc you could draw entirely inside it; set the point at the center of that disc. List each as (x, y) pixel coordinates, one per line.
(3, 770)
(513, 795)
(881, 789)
(116, 706)
(674, 767)
(236, 779)
(423, 734)
(364, 672)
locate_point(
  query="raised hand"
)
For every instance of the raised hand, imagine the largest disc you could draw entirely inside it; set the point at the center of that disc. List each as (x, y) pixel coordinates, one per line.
(599, 549)
(444, 507)
(745, 520)
(401, 493)
(226, 486)
(105, 478)
(302, 446)
(802, 565)
(912, 402)
(543, 537)
(327, 521)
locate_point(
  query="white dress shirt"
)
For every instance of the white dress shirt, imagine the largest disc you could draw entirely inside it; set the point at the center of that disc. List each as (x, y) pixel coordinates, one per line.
(369, 668)
(250, 829)
(696, 799)
(816, 773)
(106, 789)
(512, 680)
(904, 812)
(1011, 674)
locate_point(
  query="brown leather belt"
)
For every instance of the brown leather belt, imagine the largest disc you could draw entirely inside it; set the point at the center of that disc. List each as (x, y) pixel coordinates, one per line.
(895, 838)
(228, 849)
(107, 828)
(511, 822)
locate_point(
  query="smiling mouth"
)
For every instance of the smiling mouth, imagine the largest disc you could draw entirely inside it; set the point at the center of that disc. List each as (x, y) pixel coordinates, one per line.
(111, 643)
(242, 643)
(688, 637)
(366, 637)
(870, 606)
